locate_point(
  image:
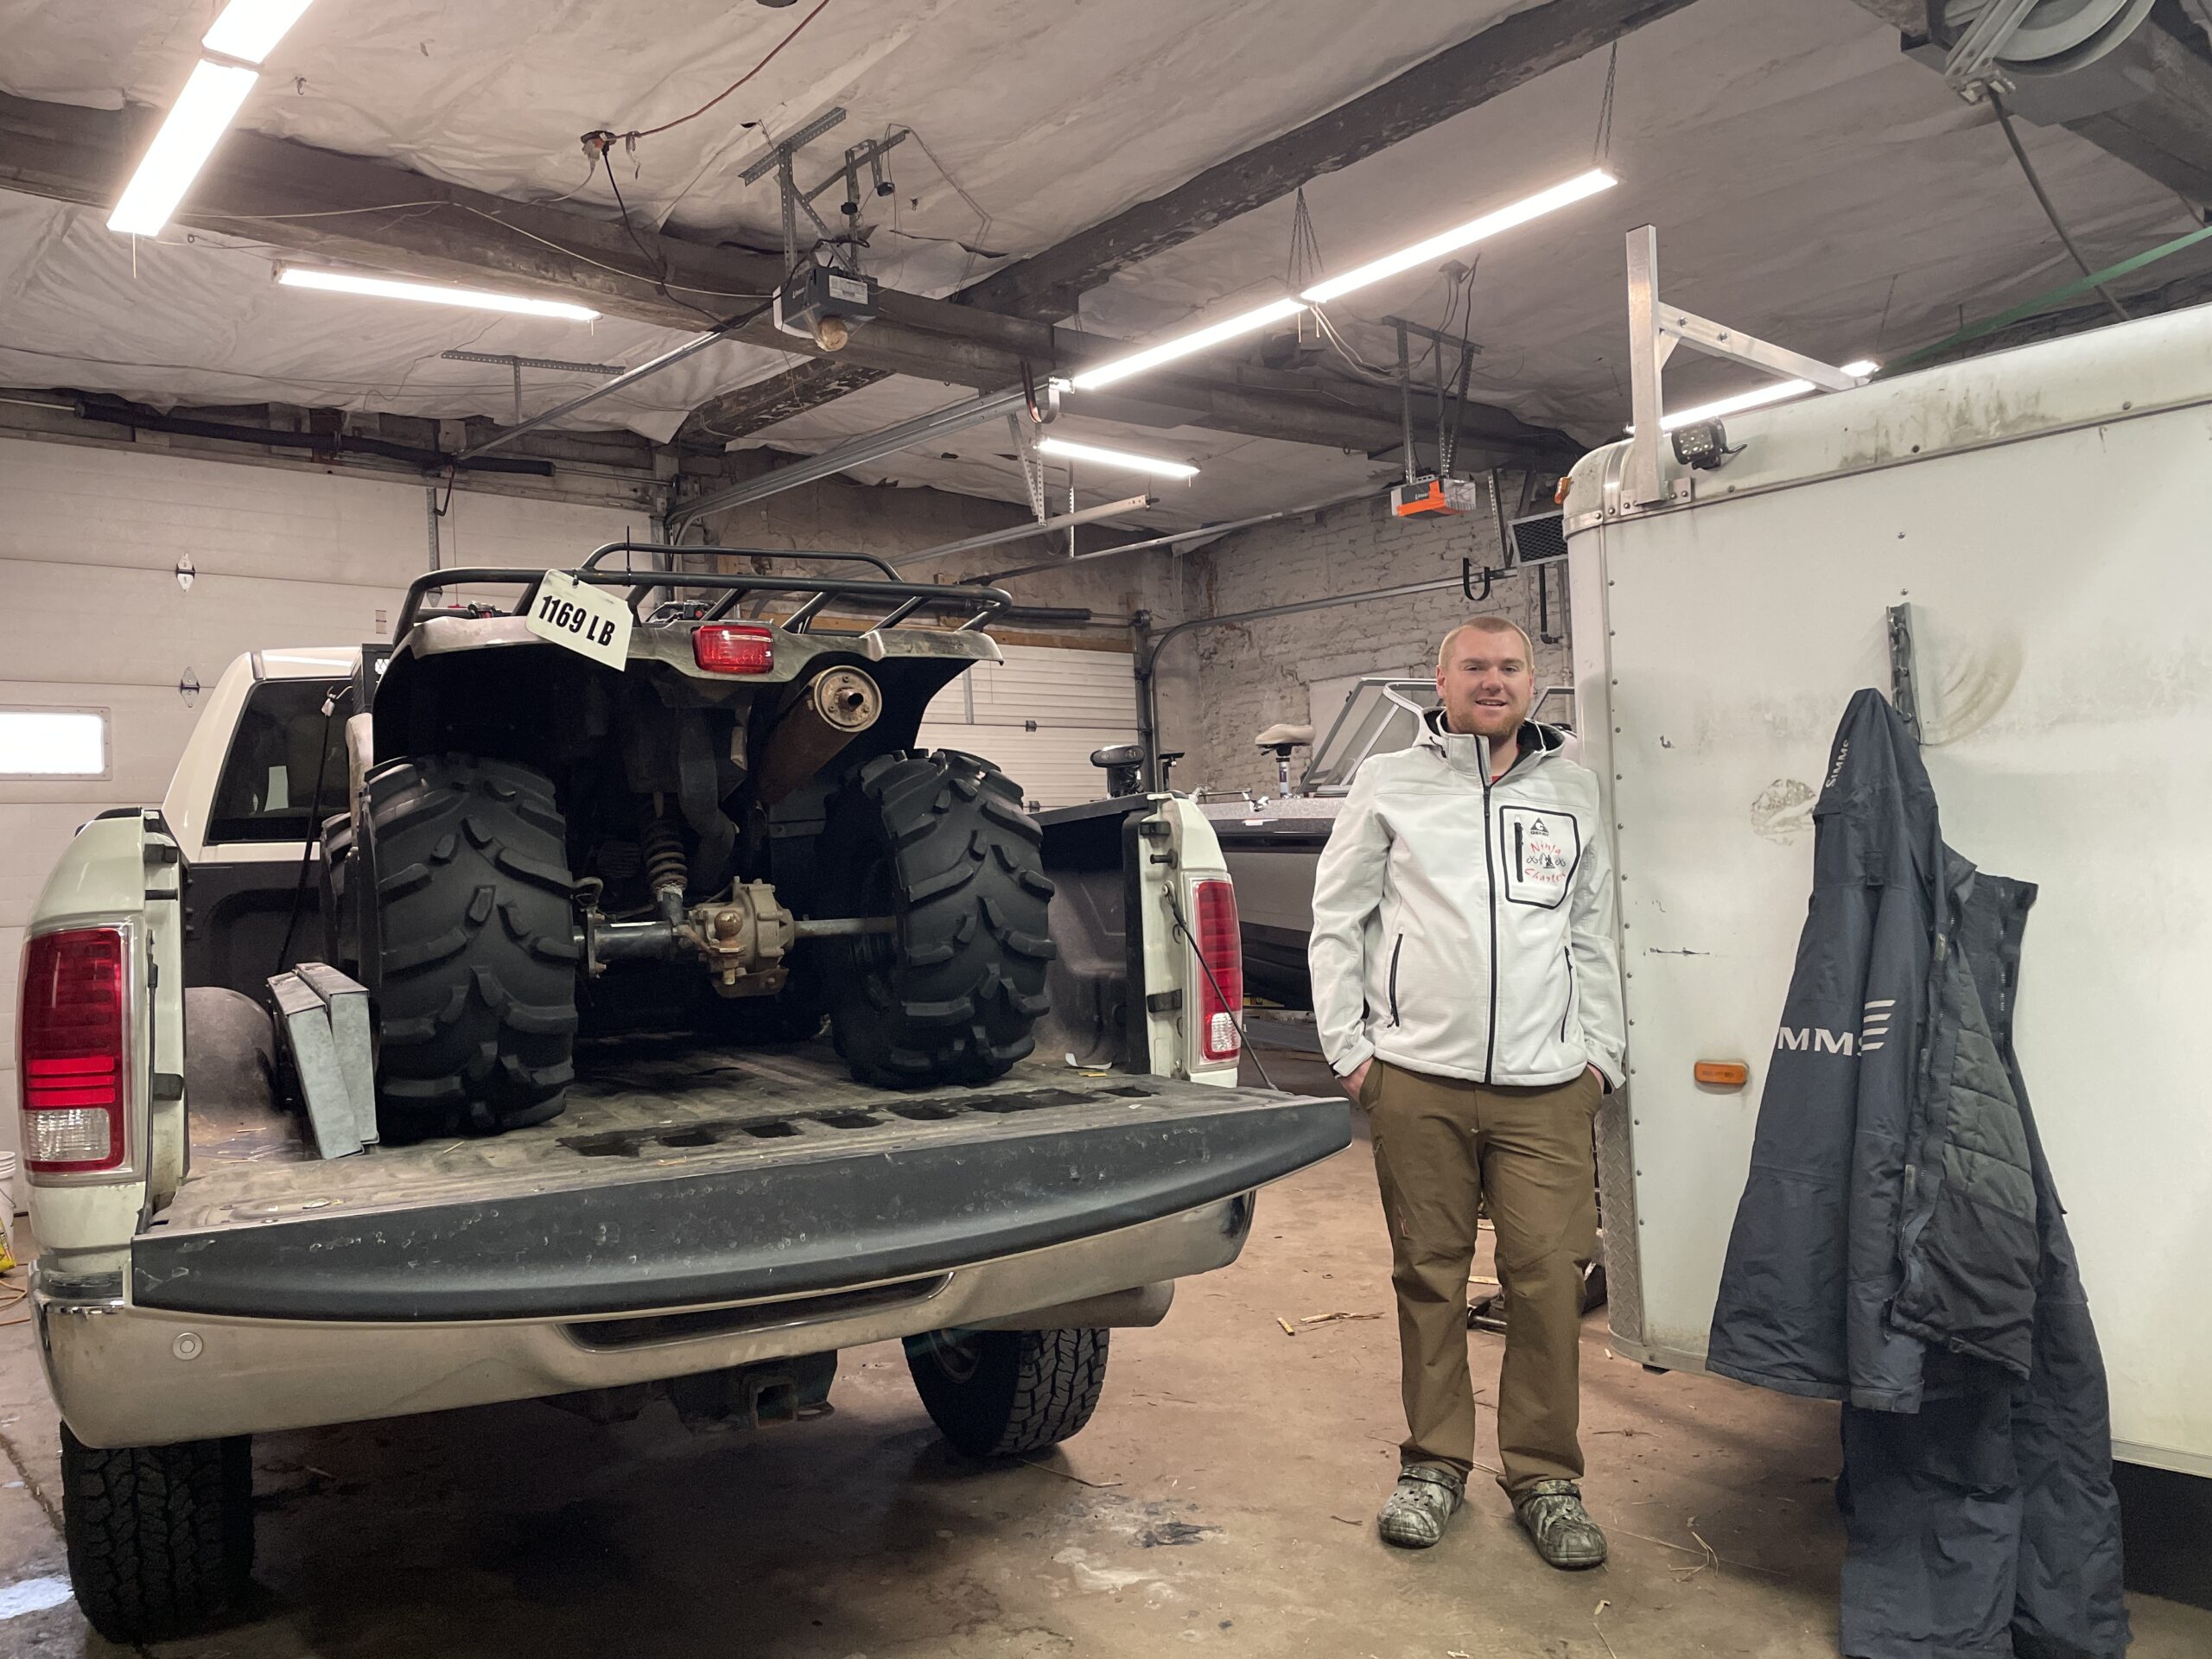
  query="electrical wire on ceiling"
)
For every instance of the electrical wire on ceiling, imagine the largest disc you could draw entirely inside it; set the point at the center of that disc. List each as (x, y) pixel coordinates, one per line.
(982, 215)
(1601, 151)
(658, 266)
(2051, 212)
(604, 140)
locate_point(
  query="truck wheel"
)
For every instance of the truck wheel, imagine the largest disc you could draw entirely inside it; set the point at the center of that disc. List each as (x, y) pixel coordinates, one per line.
(939, 841)
(160, 1537)
(466, 927)
(997, 1393)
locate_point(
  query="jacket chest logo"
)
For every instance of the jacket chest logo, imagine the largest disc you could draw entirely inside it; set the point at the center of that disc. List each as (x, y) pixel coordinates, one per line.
(1874, 1030)
(1539, 848)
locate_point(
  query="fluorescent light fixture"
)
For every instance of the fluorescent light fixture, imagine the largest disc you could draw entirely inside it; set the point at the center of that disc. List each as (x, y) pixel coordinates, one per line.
(1117, 458)
(1475, 230)
(1182, 345)
(1759, 397)
(1780, 391)
(249, 29)
(1461, 236)
(389, 288)
(180, 149)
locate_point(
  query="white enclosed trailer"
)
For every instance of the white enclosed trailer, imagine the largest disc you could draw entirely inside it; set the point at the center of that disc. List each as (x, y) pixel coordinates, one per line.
(2042, 514)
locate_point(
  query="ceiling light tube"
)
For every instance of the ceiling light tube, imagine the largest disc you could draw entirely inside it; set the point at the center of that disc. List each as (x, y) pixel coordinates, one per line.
(389, 288)
(1759, 398)
(180, 149)
(1461, 236)
(249, 29)
(1117, 458)
(1185, 345)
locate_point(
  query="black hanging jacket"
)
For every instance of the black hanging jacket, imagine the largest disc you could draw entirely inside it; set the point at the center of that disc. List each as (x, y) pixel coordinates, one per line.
(1900, 1246)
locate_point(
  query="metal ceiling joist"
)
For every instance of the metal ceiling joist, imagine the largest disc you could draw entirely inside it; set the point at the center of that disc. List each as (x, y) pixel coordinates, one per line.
(1047, 284)
(856, 452)
(257, 186)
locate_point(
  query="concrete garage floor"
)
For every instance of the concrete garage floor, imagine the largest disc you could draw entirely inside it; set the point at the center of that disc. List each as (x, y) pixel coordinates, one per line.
(1221, 1501)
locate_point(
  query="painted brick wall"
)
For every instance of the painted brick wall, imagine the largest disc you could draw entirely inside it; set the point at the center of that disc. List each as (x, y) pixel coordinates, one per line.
(1251, 676)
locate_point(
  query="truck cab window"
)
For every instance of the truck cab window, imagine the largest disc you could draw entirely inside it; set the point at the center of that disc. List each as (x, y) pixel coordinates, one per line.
(284, 743)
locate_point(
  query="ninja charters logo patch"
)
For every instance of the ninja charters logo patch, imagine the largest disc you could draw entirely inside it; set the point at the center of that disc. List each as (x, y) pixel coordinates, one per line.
(1541, 849)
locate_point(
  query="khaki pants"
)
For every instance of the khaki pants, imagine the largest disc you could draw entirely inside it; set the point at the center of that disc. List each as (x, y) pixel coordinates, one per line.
(1441, 1146)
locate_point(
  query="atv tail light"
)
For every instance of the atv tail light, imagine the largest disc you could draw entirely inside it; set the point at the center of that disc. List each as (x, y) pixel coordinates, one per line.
(1221, 979)
(74, 1038)
(734, 647)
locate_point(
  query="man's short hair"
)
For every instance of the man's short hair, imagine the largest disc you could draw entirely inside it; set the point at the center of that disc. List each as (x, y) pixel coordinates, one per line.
(1487, 624)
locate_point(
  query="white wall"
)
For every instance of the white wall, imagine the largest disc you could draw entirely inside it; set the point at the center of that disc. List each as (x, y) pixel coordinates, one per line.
(91, 613)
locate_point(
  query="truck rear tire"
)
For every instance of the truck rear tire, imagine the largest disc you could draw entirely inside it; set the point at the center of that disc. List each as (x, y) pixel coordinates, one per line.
(160, 1538)
(468, 929)
(1000, 1394)
(940, 841)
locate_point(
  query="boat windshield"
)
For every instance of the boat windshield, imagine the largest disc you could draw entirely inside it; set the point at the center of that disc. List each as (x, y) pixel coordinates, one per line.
(1381, 715)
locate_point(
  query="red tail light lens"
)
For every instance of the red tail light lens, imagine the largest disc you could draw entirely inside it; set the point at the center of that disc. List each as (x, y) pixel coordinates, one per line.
(734, 648)
(1221, 992)
(74, 1039)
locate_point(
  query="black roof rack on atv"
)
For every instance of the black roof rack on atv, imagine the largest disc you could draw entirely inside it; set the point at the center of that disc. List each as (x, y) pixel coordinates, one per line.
(905, 597)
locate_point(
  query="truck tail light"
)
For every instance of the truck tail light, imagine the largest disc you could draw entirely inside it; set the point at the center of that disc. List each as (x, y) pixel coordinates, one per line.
(74, 1038)
(1220, 981)
(734, 647)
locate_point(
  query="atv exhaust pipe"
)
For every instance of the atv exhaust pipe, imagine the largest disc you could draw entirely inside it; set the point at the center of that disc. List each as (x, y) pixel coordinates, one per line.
(836, 707)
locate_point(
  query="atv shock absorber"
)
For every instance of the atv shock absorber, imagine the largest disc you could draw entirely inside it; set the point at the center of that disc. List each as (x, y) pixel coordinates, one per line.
(667, 872)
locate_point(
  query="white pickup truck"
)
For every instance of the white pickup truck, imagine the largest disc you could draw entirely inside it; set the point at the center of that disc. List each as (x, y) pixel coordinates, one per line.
(703, 1220)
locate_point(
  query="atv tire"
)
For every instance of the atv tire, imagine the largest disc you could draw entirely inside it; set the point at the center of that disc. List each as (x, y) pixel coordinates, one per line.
(160, 1538)
(468, 930)
(939, 841)
(1002, 1394)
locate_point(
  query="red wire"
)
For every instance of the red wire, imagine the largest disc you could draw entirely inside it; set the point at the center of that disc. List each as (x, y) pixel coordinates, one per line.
(734, 85)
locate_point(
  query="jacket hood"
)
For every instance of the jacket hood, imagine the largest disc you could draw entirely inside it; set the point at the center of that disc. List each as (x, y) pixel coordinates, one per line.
(1544, 740)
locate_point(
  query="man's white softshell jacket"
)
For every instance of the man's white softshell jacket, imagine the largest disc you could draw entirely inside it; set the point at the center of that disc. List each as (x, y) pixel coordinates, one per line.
(1464, 928)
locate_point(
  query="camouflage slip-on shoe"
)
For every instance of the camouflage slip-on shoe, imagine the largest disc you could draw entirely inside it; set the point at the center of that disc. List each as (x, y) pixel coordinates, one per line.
(1414, 1516)
(1551, 1513)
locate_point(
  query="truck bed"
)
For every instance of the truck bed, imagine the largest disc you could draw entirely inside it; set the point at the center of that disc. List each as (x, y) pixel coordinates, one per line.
(685, 1176)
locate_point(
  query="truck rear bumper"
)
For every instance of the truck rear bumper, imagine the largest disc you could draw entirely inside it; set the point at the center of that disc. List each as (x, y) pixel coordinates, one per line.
(127, 1374)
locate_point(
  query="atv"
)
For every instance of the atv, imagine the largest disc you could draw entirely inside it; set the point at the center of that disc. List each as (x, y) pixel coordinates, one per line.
(584, 814)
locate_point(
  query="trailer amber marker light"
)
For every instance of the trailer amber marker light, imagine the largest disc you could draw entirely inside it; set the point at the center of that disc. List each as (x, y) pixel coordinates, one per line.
(392, 288)
(1722, 1074)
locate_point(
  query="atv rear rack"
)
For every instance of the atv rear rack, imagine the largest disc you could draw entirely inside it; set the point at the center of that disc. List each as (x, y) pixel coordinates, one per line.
(905, 598)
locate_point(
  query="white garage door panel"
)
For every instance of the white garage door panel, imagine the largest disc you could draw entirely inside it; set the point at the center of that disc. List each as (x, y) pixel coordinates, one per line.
(73, 626)
(1052, 764)
(98, 505)
(12, 952)
(1077, 700)
(146, 727)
